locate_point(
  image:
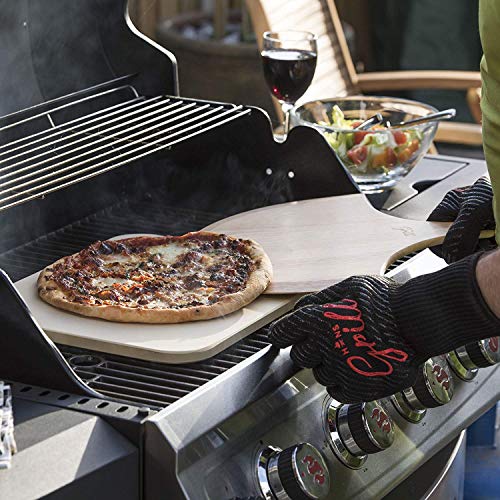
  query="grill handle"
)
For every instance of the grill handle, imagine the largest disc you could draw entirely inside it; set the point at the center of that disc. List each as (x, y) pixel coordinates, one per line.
(27, 354)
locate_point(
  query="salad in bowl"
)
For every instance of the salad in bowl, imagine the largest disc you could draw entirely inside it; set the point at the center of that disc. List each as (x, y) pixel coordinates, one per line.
(380, 156)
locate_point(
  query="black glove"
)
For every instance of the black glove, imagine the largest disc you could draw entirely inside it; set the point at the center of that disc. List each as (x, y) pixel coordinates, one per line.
(365, 337)
(471, 210)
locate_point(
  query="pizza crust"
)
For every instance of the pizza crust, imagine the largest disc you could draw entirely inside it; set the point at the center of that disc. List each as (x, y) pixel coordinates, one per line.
(257, 282)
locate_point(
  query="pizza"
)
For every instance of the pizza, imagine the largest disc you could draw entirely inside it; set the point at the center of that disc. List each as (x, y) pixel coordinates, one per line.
(158, 279)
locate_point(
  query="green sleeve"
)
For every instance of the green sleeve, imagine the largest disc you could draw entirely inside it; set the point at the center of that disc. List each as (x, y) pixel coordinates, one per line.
(489, 28)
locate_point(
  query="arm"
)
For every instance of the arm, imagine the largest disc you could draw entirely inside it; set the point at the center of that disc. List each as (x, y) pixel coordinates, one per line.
(488, 268)
(489, 22)
(488, 278)
(474, 208)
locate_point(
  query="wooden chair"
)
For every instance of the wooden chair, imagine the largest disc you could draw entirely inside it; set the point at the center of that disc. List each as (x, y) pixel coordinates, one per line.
(336, 75)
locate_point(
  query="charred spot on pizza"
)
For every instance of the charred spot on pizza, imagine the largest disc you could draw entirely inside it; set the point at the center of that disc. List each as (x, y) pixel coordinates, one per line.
(192, 282)
(105, 248)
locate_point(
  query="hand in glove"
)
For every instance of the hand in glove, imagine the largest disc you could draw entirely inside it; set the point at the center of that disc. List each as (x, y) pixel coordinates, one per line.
(471, 210)
(365, 337)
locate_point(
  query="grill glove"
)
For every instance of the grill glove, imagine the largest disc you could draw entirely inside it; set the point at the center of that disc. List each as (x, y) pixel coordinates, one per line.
(471, 210)
(365, 337)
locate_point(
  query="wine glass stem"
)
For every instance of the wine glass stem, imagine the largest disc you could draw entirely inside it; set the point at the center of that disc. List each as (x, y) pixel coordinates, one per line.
(286, 108)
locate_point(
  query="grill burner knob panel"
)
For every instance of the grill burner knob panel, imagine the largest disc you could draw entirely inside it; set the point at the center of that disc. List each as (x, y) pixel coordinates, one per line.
(354, 431)
(405, 410)
(434, 385)
(297, 473)
(336, 443)
(365, 428)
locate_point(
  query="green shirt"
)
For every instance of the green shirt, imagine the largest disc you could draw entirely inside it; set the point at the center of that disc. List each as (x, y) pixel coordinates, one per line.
(489, 29)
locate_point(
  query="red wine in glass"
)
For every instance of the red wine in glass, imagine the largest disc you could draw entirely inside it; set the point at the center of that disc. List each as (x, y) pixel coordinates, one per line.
(289, 61)
(288, 72)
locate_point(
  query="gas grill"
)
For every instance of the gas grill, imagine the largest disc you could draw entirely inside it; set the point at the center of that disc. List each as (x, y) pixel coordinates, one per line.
(96, 142)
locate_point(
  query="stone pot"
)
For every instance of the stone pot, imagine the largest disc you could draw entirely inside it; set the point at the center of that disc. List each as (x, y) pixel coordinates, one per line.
(212, 69)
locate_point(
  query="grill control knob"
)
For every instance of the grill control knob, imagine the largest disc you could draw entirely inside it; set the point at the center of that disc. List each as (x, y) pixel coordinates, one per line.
(297, 473)
(365, 428)
(466, 360)
(483, 353)
(434, 385)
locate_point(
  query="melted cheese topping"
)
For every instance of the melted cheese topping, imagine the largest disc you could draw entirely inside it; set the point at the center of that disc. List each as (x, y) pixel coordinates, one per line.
(168, 253)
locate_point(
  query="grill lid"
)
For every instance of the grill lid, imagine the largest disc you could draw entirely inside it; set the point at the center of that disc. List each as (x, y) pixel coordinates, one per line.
(50, 50)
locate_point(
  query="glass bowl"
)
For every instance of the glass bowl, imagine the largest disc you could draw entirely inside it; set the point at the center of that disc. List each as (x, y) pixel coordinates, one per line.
(377, 159)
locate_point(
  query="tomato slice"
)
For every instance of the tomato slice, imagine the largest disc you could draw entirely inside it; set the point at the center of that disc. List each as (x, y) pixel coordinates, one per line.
(359, 136)
(404, 155)
(390, 157)
(358, 154)
(386, 158)
(414, 145)
(377, 160)
(399, 137)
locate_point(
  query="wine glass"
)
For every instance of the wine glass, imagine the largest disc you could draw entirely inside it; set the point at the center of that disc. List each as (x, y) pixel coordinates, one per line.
(289, 60)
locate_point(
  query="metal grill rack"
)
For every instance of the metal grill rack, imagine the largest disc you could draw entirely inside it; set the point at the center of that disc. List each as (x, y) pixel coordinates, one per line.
(129, 380)
(124, 218)
(400, 261)
(155, 385)
(133, 127)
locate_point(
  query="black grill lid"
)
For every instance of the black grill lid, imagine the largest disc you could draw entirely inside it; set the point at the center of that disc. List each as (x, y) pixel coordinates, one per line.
(51, 48)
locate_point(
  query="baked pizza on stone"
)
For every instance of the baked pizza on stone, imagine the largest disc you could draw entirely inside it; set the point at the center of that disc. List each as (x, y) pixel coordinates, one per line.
(158, 279)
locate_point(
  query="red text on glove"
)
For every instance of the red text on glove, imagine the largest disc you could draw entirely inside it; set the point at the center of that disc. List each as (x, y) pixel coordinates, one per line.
(360, 363)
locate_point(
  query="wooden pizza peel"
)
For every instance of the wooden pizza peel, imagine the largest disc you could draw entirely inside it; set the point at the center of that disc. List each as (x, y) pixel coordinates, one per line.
(315, 243)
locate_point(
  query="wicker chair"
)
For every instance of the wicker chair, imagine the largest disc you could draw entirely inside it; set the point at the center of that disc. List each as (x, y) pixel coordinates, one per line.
(336, 74)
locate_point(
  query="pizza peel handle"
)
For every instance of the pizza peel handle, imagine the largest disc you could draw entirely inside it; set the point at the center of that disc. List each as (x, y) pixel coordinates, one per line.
(315, 243)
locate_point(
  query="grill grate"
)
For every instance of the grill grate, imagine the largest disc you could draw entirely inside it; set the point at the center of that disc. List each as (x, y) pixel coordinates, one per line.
(155, 385)
(130, 380)
(124, 218)
(400, 261)
(126, 379)
(135, 127)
